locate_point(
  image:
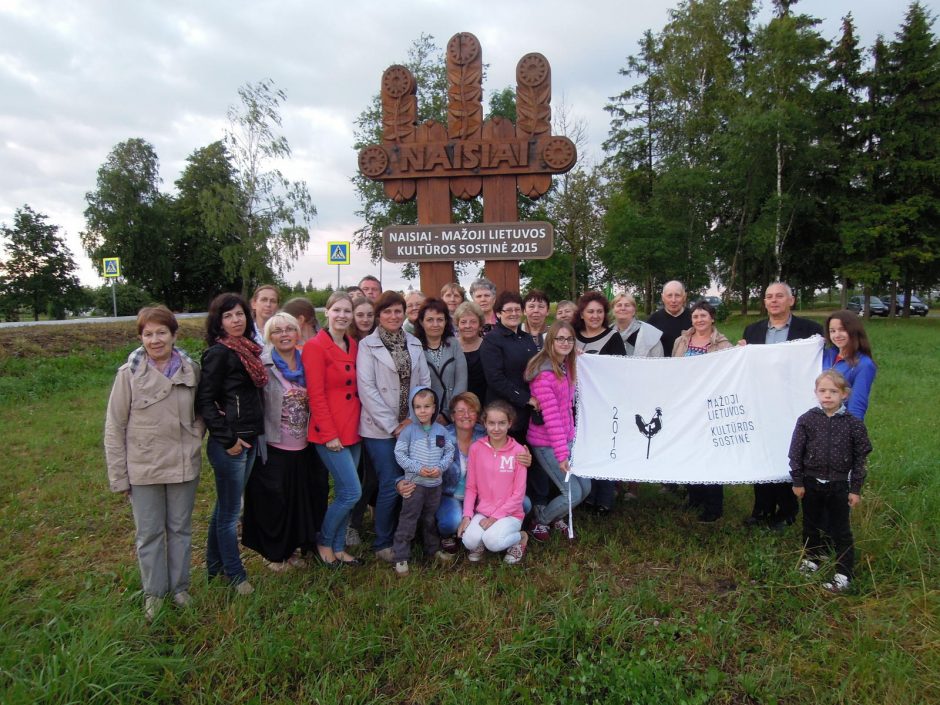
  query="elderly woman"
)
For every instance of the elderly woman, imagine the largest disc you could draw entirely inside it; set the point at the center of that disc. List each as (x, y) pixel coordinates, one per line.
(413, 303)
(700, 339)
(453, 295)
(639, 339)
(446, 361)
(279, 507)
(389, 364)
(469, 322)
(153, 448)
(483, 294)
(849, 353)
(595, 335)
(330, 365)
(229, 399)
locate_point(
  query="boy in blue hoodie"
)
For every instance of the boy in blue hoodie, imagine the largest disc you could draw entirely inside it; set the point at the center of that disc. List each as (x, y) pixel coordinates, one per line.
(423, 450)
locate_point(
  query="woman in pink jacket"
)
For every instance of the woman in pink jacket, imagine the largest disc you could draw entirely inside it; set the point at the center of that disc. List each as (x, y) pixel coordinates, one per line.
(551, 376)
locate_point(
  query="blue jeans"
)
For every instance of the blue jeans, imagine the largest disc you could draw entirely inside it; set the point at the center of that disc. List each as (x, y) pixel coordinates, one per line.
(231, 476)
(382, 452)
(577, 487)
(346, 492)
(449, 515)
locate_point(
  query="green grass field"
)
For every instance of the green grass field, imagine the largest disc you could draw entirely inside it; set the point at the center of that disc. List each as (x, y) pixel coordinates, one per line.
(647, 607)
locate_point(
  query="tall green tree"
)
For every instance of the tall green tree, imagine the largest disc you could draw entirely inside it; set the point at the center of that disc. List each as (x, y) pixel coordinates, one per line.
(205, 187)
(128, 217)
(38, 271)
(911, 150)
(263, 217)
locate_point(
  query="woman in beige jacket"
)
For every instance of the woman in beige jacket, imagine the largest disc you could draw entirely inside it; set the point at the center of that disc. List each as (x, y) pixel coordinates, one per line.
(153, 446)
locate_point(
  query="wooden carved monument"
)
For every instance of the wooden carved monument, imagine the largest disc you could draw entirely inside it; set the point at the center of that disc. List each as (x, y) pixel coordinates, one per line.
(470, 155)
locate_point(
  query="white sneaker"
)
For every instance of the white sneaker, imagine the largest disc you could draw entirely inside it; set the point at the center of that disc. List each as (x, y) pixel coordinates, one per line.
(840, 583)
(808, 567)
(476, 555)
(152, 605)
(516, 552)
(401, 567)
(244, 588)
(182, 599)
(352, 537)
(278, 566)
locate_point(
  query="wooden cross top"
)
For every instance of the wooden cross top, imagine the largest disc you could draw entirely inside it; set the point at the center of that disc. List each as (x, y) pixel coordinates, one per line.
(471, 155)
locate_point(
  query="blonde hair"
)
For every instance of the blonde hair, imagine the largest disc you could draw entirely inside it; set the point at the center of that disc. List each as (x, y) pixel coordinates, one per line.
(624, 296)
(280, 317)
(836, 378)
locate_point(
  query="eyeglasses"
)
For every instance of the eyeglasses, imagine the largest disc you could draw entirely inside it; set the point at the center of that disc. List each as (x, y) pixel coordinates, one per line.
(564, 339)
(514, 311)
(282, 331)
(464, 412)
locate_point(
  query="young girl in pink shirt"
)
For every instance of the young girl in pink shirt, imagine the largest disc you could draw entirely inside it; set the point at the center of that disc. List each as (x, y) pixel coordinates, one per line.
(495, 490)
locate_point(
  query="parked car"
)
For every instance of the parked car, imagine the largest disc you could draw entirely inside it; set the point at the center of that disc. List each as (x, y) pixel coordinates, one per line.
(918, 307)
(875, 305)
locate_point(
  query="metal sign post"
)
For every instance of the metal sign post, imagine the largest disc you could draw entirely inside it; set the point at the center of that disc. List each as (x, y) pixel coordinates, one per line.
(111, 269)
(337, 253)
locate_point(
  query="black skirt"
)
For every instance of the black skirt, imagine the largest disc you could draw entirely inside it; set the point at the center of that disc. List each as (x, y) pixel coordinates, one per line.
(281, 503)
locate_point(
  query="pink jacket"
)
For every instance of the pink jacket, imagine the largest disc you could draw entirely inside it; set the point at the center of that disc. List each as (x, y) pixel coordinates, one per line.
(495, 482)
(556, 397)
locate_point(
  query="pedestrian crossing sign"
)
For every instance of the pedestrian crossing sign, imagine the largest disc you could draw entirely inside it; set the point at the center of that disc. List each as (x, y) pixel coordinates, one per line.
(112, 267)
(337, 253)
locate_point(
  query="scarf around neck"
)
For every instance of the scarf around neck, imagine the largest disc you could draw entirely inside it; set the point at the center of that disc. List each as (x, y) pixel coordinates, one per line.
(249, 352)
(295, 376)
(397, 346)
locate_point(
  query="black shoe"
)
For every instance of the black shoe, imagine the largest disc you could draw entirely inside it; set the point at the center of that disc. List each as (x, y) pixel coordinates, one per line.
(333, 564)
(752, 521)
(354, 563)
(708, 517)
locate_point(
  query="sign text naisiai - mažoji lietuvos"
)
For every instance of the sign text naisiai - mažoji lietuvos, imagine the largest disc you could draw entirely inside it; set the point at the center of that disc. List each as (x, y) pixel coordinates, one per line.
(415, 243)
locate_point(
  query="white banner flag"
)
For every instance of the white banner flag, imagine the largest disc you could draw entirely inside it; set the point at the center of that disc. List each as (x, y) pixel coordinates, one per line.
(724, 418)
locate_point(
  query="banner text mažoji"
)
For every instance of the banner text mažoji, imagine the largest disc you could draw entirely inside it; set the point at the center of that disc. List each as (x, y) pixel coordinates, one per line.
(511, 241)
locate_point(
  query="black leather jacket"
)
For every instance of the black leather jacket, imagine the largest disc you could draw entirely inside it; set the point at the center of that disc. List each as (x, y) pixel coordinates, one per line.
(227, 399)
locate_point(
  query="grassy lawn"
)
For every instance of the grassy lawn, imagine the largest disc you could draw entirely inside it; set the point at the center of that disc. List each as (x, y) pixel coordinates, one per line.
(646, 607)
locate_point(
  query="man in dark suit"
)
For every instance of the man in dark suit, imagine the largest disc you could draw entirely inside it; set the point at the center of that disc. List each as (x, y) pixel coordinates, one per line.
(774, 502)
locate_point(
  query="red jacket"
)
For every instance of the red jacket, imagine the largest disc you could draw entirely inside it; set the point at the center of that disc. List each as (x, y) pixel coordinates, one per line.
(331, 385)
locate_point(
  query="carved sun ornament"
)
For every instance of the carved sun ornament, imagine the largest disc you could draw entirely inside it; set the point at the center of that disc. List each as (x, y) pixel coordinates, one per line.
(373, 161)
(463, 48)
(397, 81)
(531, 70)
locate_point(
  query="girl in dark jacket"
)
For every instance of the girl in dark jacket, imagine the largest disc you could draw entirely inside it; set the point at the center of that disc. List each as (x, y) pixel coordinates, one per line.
(229, 400)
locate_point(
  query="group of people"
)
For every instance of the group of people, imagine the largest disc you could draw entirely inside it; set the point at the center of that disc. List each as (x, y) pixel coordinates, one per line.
(464, 410)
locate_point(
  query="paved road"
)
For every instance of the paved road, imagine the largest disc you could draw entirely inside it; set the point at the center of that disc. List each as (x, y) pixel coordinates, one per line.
(69, 321)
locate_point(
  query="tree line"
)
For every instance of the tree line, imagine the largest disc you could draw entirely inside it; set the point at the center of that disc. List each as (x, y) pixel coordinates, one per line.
(740, 153)
(233, 221)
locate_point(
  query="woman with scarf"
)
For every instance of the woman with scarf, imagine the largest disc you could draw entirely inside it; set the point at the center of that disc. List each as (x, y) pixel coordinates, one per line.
(229, 399)
(279, 501)
(389, 364)
(153, 447)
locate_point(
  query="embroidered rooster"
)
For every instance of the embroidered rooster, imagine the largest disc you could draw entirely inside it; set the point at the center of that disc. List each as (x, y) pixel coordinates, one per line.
(650, 429)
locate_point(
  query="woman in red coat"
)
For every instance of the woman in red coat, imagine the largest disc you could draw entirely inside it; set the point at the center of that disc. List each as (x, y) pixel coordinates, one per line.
(329, 362)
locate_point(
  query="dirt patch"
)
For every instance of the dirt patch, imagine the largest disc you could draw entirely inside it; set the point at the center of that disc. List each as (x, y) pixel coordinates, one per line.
(64, 340)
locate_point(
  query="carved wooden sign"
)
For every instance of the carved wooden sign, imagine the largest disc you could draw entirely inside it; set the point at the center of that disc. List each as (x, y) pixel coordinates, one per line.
(489, 241)
(470, 155)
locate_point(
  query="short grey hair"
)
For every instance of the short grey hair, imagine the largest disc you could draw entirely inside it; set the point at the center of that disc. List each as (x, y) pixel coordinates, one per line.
(482, 283)
(783, 284)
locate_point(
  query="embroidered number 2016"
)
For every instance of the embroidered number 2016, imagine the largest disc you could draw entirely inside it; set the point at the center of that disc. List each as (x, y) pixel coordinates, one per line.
(614, 428)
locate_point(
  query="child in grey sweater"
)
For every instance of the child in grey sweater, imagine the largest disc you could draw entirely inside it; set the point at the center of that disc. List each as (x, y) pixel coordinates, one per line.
(423, 450)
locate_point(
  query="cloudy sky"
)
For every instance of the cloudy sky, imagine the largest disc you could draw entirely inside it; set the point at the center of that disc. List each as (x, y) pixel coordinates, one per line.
(79, 76)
